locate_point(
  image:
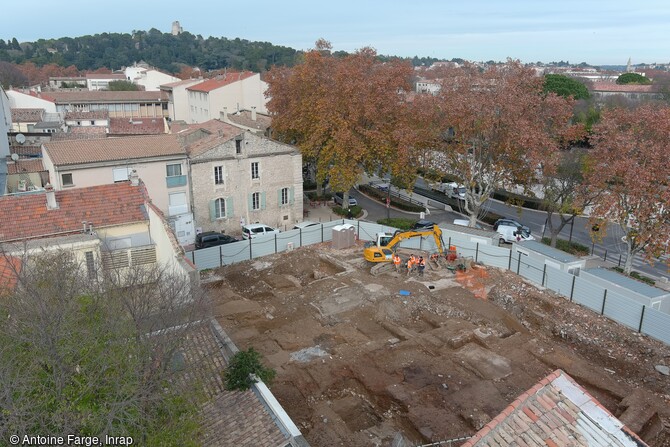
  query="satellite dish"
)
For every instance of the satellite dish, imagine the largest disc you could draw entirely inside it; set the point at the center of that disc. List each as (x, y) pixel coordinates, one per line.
(20, 138)
(15, 157)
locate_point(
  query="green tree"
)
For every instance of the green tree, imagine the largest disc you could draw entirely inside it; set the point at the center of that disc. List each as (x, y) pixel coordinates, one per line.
(565, 86)
(238, 375)
(633, 78)
(92, 356)
(119, 86)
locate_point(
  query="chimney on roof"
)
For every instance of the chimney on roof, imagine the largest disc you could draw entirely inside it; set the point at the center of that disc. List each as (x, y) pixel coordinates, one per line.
(134, 178)
(224, 115)
(51, 197)
(253, 113)
(83, 224)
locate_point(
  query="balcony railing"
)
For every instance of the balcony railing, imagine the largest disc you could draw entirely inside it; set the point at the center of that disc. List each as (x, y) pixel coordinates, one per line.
(175, 180)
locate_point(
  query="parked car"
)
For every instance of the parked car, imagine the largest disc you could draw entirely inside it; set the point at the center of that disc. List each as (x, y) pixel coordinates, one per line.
(339, 197)
(257, 229)
(212, 239)
(508, 232)
(305, 224)
(384, 187)
(512, 222)
(423, 225)
(466, 223)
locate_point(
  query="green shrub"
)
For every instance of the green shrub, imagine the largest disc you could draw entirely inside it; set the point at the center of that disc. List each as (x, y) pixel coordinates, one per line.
(637, 276)
(574, 248)
(244, 363)
(314, 198)
(401, 223)
(517, 199)
(356, 211)
(308, 185)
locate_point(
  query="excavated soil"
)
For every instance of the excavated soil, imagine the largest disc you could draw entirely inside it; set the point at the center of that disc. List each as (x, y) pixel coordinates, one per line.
(359, 363)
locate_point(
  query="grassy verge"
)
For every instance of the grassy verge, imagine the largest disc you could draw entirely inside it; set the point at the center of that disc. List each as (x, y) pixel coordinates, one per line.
(574, 248)
(401, 223)
(356, 211)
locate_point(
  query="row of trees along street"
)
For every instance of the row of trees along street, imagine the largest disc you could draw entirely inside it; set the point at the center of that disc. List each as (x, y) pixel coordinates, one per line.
(499, 127)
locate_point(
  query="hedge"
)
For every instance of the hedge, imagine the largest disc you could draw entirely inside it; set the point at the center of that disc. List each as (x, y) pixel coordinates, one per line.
(574, 248)
(401, 223)
(356, 211)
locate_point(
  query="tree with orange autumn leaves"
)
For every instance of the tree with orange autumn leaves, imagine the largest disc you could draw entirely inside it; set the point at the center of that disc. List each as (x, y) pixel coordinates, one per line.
(495, 128)
(629, 164)
(347, 115)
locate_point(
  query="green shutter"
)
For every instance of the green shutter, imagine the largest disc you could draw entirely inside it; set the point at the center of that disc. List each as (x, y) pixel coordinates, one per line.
(251, 202)
(279, 197)
(291, 192)
(229, 207)
(212, 210)
(263, 200)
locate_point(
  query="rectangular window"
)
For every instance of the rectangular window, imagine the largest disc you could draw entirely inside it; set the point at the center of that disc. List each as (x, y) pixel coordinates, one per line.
(220, 208)
(284, 196)
(66, 179)
(238, 147)
(90, 265)
(218, 175)
(254, 170)
(121, 174)
(256, 201)
(173, 170)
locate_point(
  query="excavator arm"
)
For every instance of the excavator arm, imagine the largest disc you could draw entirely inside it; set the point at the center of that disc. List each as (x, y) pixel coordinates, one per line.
(384, 253)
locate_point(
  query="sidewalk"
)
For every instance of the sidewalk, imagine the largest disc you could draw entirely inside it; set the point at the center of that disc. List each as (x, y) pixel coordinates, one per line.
(322, 212)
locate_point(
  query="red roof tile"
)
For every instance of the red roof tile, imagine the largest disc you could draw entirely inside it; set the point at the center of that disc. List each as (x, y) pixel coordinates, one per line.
(105, 205)
(9, 267)
(72, 152)
(102, 96)
(116, 76)
(20, 115)
(218, 82)
(90, 115)
(25, 165)
(201, 137)
(624, 88)
(556, 408)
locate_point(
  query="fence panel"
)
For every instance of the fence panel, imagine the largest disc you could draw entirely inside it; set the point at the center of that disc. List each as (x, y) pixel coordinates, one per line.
(588, 294)
(368, 230)
(288, 237)
(558, 281)
(207, 258)
(263, 246)
(493, 256)
(311, 235)
(656, 324)
(528, 268)
(235, 252)
(623, 309)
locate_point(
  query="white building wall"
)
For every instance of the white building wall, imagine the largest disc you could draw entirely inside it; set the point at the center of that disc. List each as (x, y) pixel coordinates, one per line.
(168, 254)
(152, 80)
(18, 100)
(178, 107)
(280, 166)
(5, 123)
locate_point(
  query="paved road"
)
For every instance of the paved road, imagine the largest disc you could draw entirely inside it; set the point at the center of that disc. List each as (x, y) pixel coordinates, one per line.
(610, 247)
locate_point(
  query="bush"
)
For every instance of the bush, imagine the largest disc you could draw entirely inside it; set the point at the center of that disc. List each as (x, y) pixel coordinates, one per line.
(637, 276)
(356, 211)
(517, 199)
(308, 186)
(324, 198)
(381, 196)
(401, 223)
(244, 363)
(574, 248)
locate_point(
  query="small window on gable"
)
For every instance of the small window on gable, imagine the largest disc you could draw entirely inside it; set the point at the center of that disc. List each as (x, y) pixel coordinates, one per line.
(66, 179)
(238, 146)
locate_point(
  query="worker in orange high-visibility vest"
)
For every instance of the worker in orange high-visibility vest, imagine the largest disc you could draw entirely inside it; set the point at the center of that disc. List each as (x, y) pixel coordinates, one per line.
(396, 262)
(410, 265)
(422, 265)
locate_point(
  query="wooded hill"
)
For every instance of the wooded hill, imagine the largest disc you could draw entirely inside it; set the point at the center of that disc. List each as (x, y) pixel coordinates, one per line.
(162, 50)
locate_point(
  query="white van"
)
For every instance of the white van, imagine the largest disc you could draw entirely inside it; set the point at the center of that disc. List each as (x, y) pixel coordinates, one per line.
(257, 229)
(512, 233)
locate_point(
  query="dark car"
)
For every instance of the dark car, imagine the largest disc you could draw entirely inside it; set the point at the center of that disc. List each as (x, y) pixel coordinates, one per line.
(212, 239)
(510, 222)
(423, 225)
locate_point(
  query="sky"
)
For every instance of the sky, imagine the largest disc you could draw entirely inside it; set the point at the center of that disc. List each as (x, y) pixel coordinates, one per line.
(594, 31)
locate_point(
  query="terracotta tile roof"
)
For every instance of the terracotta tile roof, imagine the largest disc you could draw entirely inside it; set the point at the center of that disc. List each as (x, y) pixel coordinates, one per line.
(80, 133)
(72, 152)
(26, 150)
(136, 126)
(218, 82)
(118, 76)
(96, 131)
(27, 115)
(555, 412)
(102, 96)
(624, 88)
(9, 267)
(229, 418)
(201, 137)
(243, 118)
(91, 115)
(25, 165)
(105, 205)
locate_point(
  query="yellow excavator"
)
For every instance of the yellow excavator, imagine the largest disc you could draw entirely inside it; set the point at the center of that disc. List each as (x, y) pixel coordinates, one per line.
(383, 250)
